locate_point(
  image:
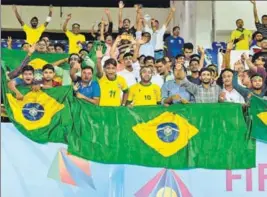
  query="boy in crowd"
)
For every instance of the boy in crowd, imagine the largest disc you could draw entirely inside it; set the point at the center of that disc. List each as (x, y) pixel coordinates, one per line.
(27, 80)
(111, 85)
(48, 76)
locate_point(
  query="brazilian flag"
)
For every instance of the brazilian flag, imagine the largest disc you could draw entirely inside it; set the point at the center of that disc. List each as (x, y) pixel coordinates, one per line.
(258, 113)
(213, 136)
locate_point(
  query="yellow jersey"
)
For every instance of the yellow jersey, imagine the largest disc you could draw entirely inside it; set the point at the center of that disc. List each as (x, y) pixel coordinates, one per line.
(33, 35)
(242, 44)
(110, 91)
(144, 94)
(73, 39)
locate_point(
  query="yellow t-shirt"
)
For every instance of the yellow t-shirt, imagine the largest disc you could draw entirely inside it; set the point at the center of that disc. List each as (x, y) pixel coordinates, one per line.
(33, 35)
(242, 44)
(110, 91)
(73, 39)
(144, 95)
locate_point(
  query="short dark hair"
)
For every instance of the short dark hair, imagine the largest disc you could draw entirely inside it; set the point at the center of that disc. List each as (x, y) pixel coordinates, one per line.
(238, 20)
(176, 27)
(90, 42)
(49, 67)
(106, 35)
(110, 61)
(126, 19)
(148, 66)
(80, 59)
(51, 45)
(141, 57)
(127, 55)
(149, 58)
(263, 16)
(161, 60)
(45, 35)
(62, 46)
(179, 55)
(76, 24)
(220, 80)
(204, 70)
(255, 33)
(27, 68)
(24, 44)
(249, 73)
(84, 50)
(88, 67)
(188, 45)
(144, 33)
(34, 18)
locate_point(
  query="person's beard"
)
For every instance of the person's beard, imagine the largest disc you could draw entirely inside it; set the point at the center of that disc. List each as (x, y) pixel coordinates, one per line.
(206, 82)
(257, 88)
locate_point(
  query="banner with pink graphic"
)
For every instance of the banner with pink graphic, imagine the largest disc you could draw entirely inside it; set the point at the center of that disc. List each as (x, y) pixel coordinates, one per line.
(29, 169)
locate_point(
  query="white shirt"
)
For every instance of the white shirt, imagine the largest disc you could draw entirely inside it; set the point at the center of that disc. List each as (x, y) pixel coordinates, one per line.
(233, 96)
(157, 79)
(146, 49)
(131, 77)
(157, 37)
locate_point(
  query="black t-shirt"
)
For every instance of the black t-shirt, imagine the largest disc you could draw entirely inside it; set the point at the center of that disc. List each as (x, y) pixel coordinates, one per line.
(131, 31)
(194, 80)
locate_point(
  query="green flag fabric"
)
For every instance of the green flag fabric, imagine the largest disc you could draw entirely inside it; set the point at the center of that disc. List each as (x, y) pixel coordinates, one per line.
(258, 112)
(213, 136)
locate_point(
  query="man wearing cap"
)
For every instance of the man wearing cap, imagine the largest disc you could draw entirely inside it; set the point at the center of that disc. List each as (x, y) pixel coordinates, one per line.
(33, 33)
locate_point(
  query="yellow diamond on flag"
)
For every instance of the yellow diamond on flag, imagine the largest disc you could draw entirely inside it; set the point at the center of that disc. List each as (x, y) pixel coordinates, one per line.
(263, 117)
(35, 110)
(38, 65)
(167, 134)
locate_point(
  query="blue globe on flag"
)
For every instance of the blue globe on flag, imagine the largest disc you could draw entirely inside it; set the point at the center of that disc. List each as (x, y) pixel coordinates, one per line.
(33, 111)
(168, 132)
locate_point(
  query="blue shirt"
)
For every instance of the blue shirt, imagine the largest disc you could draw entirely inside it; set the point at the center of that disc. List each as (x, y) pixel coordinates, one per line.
(171, 88)
(175, 46)
(90, 91)
(19, 82)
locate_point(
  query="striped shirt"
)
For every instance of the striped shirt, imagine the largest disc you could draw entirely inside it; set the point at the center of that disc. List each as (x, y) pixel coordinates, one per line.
(261, 28)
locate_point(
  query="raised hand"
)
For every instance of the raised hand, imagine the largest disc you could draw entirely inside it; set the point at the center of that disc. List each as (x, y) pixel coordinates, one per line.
(201, 49)
(107, 11)
(14, 8)
(99, 53)
(68, 16)
(9, 41)
(230, 45)
(51, 8)
(36, 88)
(253, 2)
(121, 5)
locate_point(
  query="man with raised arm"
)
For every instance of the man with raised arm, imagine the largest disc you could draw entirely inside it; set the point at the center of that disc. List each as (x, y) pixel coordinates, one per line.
(261, 27)
(34, 32)
(157, 34)
(75, 38)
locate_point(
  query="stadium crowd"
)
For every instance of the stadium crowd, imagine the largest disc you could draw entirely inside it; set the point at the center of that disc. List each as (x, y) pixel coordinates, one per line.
(135, 69)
